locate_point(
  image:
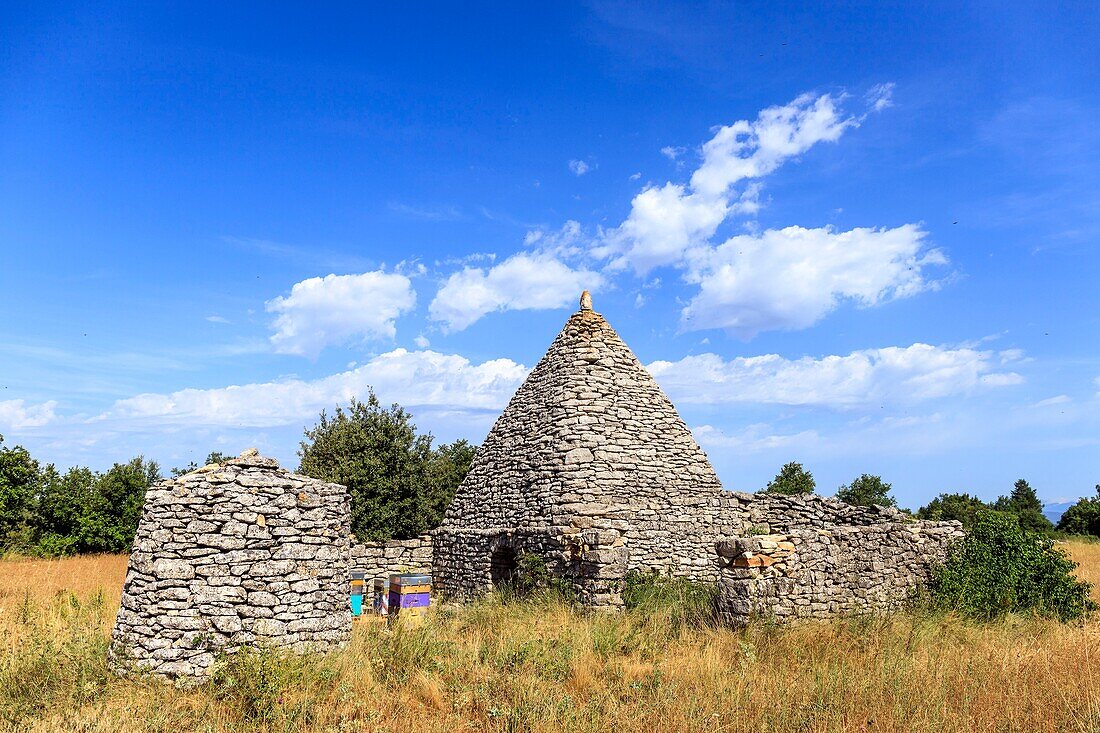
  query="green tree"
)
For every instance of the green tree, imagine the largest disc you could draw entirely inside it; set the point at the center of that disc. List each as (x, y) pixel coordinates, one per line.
(791, 479)
(1001, 568)
(448, 465)
(960, 507)
(399, 485)
(867, 490)
(63, 511)
(81, 511)
(1083, 517)
(1024, 503)
(20, 478)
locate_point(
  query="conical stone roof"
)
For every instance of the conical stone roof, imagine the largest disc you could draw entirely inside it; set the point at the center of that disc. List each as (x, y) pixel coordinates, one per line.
(588, 430)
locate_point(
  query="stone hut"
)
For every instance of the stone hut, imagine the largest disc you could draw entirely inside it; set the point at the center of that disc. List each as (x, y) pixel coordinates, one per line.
(591, 468)
(233, 554)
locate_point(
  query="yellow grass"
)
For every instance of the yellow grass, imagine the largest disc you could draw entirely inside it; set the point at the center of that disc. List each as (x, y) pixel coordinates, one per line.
(546, 668)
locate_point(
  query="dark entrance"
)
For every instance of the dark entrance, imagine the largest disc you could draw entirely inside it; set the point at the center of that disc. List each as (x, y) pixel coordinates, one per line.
(504, 566)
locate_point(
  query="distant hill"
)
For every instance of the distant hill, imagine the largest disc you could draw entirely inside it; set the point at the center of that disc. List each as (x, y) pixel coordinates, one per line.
(1054, 512)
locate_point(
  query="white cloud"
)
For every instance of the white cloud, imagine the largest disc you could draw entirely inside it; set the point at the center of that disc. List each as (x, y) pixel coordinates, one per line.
(18, 415)
(217, 319)
(411, 378)
(1051, 401)
(881, 96)
(579, 167)
(870, 377)
(422, 342)
(336, 309)
(523, 281)
(791, 278)
(666, 221)
(672, 152)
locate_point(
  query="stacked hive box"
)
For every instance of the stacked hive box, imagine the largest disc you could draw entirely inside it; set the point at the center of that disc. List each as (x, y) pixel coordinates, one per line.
(410, 597)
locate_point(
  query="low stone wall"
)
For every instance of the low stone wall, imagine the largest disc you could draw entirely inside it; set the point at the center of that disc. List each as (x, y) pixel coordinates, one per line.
(822, 573)
(234, 554)
(380, 559)
(675, 532)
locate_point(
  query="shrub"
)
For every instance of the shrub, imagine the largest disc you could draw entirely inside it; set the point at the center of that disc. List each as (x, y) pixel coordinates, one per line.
(867, 490)
(1000, 568)
(1083, 518)
(791, 479)
(680, 601)
(960, 507)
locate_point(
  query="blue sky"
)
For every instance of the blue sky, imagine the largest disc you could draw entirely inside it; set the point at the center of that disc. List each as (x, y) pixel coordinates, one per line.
(862, 237)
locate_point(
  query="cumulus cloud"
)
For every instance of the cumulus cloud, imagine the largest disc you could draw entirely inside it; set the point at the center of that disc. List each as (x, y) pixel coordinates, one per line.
(869, 377)
(18, 415)
(411, 378)
(523, 281)
(336, 309)
(791, 278)
(579, 167)
(664, 222)
(786, 278)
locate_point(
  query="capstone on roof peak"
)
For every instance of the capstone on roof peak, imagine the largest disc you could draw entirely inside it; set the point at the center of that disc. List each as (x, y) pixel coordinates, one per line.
(586, 301)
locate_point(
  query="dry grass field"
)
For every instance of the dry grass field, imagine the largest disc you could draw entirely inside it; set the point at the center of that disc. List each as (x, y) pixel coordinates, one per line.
(542, 667)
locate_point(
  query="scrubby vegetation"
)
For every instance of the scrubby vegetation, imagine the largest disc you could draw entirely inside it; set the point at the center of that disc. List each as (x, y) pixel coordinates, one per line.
(867, 490)
(541, 665)
(1002, 568)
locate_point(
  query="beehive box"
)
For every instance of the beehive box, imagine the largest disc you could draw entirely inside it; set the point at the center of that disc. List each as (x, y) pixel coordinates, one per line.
(410, 596)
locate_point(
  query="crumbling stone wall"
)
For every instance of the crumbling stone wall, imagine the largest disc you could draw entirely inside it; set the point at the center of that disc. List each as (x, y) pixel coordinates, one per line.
(380, 559)
(825, 572)
(675, 532)
(234, 554)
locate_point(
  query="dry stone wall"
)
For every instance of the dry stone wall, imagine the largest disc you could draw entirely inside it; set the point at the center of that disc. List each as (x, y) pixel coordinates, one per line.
(240, 553)
(380, 559)
(824, 572)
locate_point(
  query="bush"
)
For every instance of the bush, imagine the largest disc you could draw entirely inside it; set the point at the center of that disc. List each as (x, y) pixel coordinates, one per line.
(679, 601)
(867, 490)
(1083, 518)
(791, 479)
(1000, 568)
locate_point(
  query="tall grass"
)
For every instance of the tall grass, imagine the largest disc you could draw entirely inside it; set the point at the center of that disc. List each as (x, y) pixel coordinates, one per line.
(541, 665)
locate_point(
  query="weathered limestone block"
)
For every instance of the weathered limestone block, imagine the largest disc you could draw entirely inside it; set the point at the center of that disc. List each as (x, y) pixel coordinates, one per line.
(226, 573)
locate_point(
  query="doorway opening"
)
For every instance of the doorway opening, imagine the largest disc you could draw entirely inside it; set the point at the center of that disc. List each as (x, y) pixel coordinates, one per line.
(504, 567)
